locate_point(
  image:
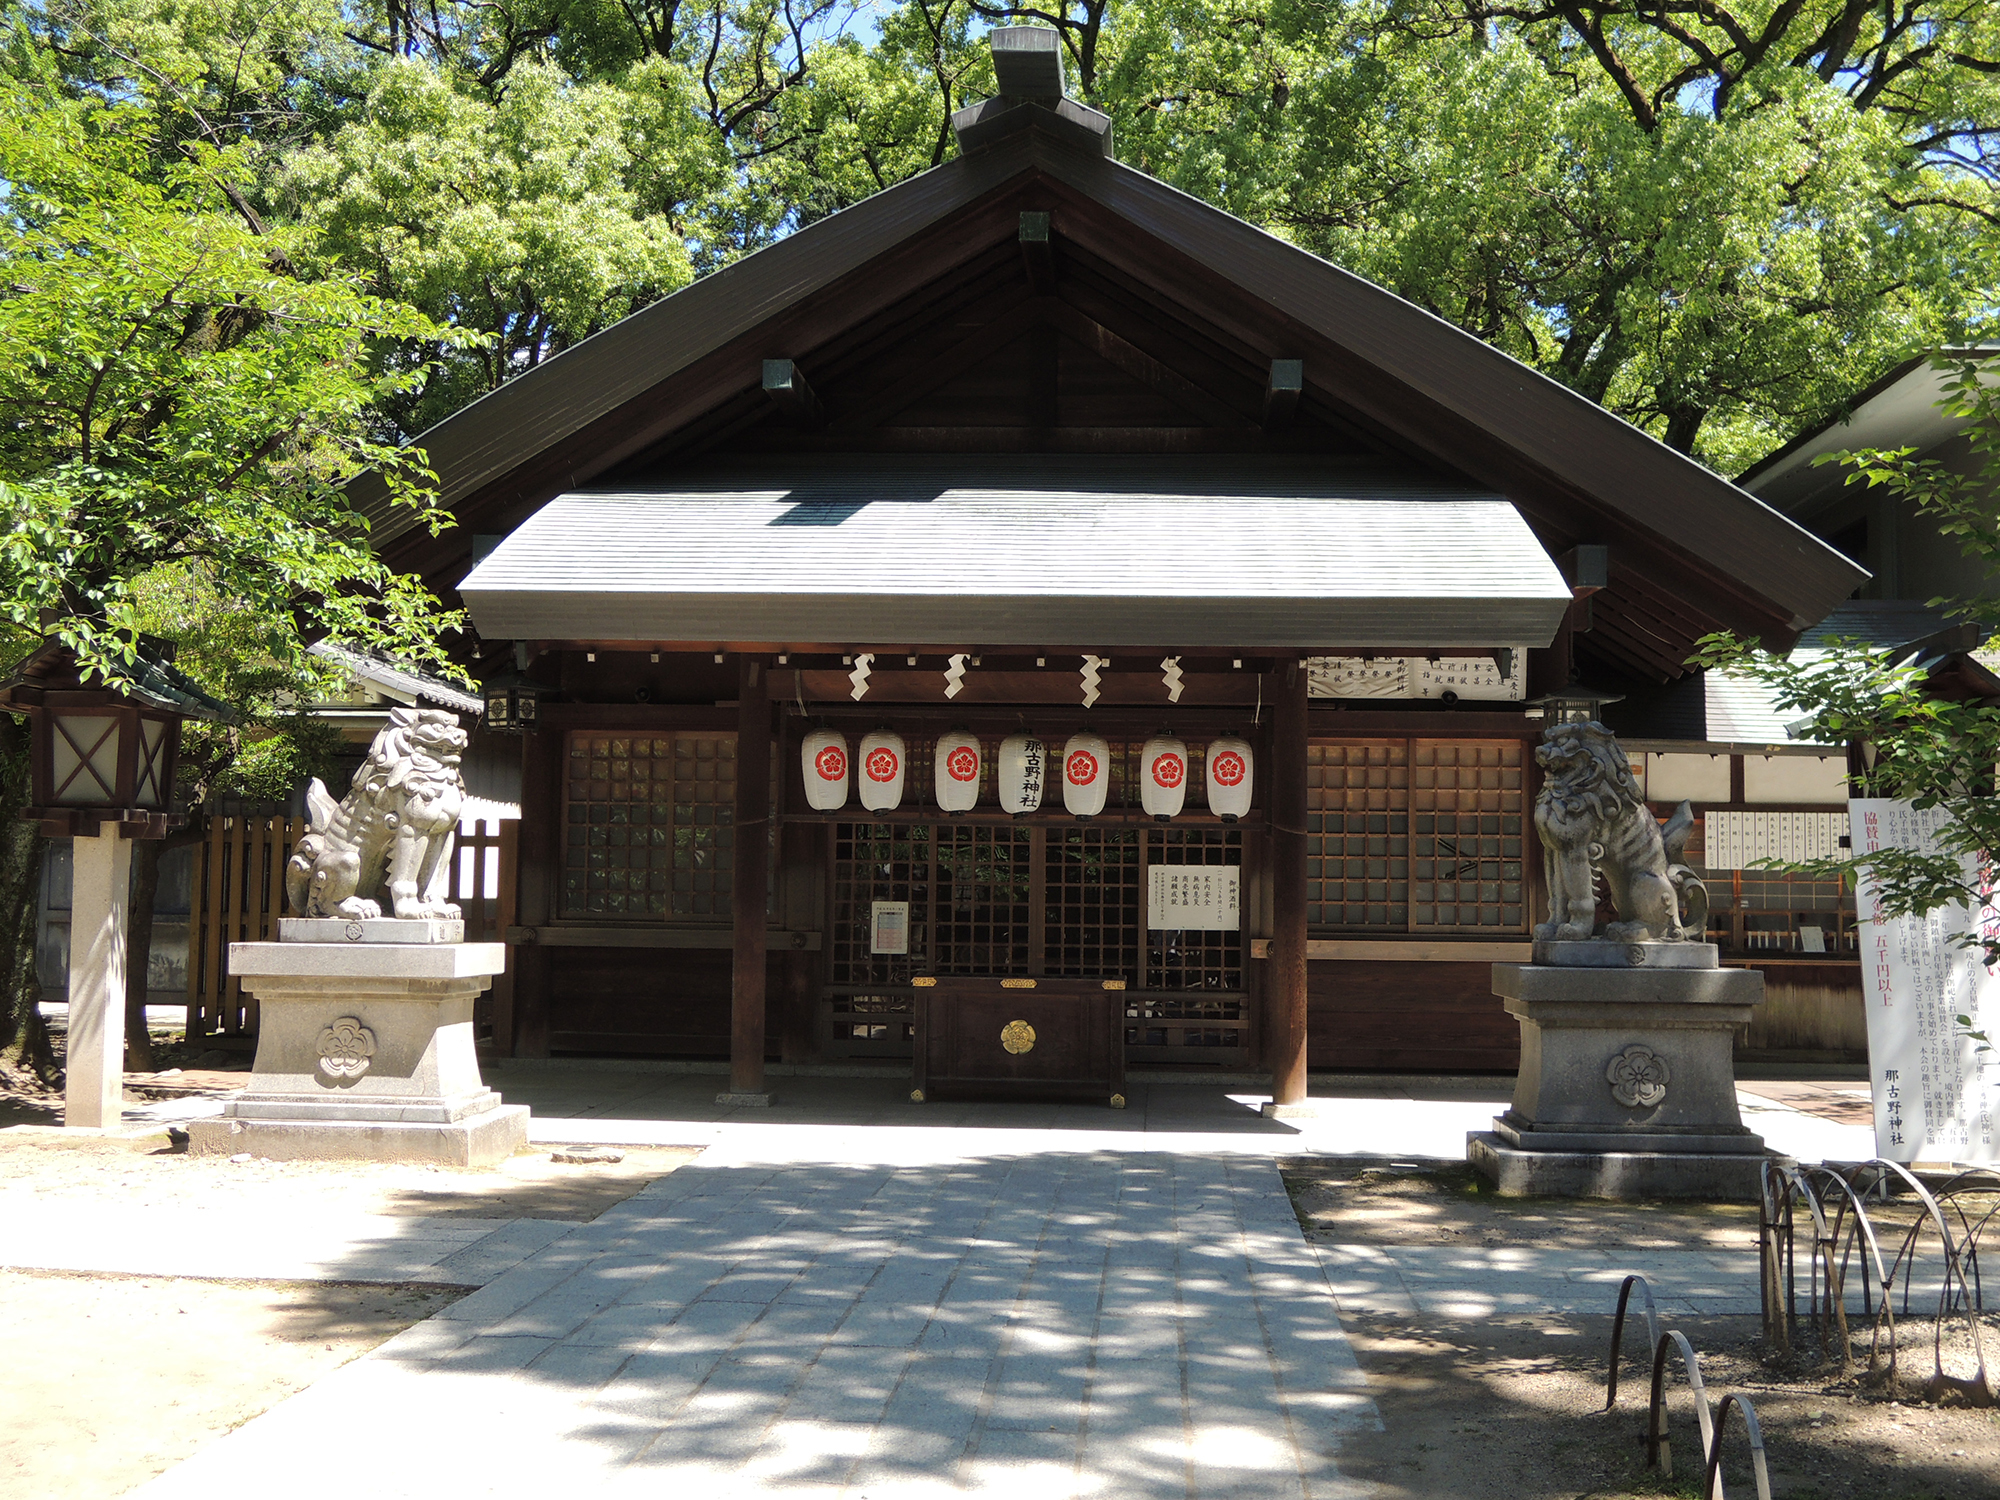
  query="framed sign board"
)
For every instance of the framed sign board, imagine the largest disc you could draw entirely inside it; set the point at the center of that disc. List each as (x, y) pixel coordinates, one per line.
(889, 927)
(1198, 898)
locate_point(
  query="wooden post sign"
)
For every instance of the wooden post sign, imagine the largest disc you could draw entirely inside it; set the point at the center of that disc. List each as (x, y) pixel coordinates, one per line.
(1936, 1094)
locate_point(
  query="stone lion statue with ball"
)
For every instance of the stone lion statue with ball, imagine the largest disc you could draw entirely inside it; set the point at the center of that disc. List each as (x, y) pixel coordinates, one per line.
(389, 840)
(1591, 819)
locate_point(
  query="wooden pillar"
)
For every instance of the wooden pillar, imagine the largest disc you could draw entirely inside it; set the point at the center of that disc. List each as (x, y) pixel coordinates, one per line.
(753, 878)
(538, 868)
(1285, 991)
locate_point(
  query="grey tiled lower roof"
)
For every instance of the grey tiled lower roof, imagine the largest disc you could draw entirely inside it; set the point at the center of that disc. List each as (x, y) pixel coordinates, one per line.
(1021, 552)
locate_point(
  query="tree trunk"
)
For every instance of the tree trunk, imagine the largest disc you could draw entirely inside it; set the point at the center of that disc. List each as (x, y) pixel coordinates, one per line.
(139, 954)
(22, 849)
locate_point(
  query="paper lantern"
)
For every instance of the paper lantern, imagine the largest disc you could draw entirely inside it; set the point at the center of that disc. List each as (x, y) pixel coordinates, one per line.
(1024, 764)
(1086, 774)
(823, 758)
(1163, 776)
(1231, 771)
(879, 770)
(957, 763)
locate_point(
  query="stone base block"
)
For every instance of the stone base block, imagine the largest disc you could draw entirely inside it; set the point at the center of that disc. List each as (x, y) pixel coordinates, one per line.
(1525, 1135)
(374, 930)
(1602, 953)
(478, 1141)
(1629, 1175)
(1275, 1111)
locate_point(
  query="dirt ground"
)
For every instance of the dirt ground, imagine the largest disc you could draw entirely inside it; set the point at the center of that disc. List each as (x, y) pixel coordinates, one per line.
(1513, 1408)
(528, 1186)
(109, 1380)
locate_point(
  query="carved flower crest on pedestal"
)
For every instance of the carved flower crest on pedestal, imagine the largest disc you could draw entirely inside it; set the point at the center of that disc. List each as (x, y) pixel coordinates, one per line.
(1638, 1077)
(345, 1048)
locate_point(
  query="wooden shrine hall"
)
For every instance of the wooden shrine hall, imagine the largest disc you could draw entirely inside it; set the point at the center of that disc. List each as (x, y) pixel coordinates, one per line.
(1033, 622)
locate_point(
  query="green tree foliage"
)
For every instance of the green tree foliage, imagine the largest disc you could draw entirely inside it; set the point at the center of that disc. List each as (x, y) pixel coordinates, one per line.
(534, 219)
(173, 390)
(180, 404)
(1717, 219)
(1934, 752)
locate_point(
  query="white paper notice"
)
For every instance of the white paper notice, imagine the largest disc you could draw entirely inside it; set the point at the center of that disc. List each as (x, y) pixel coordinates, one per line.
(889, 928)
(1198, 898)
(1936, 1094)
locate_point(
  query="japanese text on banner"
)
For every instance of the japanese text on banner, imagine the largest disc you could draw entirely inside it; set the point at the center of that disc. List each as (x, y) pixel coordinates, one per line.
(1936, 1094)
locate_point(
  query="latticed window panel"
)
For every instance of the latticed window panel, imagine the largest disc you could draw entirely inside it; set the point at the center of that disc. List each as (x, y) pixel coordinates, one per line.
(1095, 902)
(648, 832)
(1467, 822)
(984, 893)
(1194, 960)
(1358, 834)
(878, 862)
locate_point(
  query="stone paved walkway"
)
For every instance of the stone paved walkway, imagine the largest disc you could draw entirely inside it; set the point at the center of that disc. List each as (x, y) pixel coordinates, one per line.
(1092, 1323)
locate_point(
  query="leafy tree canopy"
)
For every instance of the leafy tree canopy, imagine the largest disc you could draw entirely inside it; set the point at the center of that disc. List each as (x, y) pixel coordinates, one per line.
(176, 392)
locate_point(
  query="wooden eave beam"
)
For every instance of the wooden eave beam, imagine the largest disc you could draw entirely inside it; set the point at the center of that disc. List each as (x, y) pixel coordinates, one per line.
(786, 388)
(1038, 255)
(916, 376)
(1135, 362)
(1282, 390)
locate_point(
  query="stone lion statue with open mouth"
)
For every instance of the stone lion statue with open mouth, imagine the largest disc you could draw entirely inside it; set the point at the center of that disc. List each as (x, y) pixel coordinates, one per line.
(1591, 817)
(390, 838)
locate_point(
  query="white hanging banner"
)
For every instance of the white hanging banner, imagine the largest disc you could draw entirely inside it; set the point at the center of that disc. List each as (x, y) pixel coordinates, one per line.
(1197, 898)
(1936, 1095)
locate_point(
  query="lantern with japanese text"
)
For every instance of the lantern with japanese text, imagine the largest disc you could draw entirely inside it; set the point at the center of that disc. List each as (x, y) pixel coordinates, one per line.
(1024, 764)
(1231, 771)
(1163, 776)
(823, 757)
(1086, 774)
(879, 770)
(957, 765)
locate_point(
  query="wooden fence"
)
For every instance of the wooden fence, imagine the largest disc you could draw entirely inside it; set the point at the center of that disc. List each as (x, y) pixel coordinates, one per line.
(239, 895)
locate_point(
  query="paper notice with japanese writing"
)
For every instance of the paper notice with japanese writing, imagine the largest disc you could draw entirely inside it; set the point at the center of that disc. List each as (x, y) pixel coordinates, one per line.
(889, 927)
(1936, 1094)
(1193, 898)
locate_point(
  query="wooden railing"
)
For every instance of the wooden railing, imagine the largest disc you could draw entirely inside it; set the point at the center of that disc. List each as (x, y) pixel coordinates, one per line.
(239, 895)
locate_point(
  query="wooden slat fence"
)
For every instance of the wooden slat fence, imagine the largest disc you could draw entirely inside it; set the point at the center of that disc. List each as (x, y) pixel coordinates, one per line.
(239, 895)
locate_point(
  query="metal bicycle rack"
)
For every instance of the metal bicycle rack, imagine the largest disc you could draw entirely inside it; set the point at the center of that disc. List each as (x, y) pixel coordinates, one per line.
(1659, 1452)
(1836, 1205)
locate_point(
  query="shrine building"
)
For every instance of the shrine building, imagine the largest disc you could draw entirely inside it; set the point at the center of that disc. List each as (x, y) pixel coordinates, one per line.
(1035, 598)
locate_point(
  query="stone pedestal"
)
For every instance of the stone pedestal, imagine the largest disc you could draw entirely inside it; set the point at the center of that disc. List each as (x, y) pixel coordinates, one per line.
(1627, 1086)
(365, 1050)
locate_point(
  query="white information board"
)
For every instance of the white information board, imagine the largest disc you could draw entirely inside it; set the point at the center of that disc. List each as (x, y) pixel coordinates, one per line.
(1737, 840)
(1936, 1095)
(889, 927)
(1199, 898)
(1475, 678)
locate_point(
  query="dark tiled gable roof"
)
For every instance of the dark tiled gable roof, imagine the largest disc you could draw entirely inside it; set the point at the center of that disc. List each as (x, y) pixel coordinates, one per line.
(1573, 467)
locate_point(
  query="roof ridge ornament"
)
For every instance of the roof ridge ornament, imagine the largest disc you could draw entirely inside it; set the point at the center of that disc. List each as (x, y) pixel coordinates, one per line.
(1034, 94)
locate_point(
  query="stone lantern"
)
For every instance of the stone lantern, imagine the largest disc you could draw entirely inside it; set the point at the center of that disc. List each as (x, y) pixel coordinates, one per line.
(101, 769)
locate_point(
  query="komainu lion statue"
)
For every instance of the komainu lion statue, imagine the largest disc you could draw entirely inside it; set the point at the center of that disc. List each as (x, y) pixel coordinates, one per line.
(1591, 817)
(393, 831)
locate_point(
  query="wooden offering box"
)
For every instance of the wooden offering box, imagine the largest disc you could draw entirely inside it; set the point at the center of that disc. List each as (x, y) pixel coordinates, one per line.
(1020, 1038)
